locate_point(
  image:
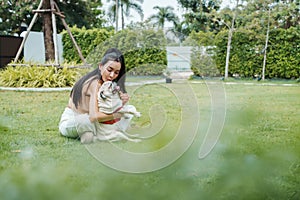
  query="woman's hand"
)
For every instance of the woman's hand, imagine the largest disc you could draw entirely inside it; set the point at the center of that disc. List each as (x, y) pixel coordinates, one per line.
(124, 97)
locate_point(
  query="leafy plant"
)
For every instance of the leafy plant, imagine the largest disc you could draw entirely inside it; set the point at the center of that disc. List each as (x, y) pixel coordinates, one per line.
(37, 76)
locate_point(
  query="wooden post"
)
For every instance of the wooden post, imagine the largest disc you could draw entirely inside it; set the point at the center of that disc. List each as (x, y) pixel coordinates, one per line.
(70, 34)
(27, 32)
(54, 32)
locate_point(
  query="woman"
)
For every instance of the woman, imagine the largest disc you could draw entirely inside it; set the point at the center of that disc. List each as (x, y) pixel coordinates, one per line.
(82, 112)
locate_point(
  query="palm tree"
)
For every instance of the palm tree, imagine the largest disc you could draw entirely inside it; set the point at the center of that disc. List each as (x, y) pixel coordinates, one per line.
(125, 6)
(165, 14)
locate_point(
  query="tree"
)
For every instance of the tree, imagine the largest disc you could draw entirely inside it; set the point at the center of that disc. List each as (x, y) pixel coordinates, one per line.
(226, 18)
(22, 12)
(266, 46)
(279, 14)
(125, 7)
(96, 17)
(261, 44)
(230, 32)
(262, 9)
(48, 31)
(82, 13)
(285, 13)
(165, 14)
(196, 16)
(14, 13)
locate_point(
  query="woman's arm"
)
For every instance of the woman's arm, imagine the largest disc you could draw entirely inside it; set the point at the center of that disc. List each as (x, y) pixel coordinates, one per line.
(94, 113)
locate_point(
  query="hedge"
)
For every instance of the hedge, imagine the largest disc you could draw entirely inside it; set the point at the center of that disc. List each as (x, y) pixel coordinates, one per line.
(87, 40)
(246, 54)
(140, 47)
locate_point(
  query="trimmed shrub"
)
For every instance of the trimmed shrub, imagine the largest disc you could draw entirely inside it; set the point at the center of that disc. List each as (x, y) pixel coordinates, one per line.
(87, 40)
(247, 51)
(141, 49)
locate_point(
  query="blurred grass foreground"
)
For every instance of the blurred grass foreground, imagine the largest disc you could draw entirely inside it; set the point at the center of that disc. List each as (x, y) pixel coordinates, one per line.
(256, 157)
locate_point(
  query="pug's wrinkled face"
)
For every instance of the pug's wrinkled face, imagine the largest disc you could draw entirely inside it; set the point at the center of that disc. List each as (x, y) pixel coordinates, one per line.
(109, 89)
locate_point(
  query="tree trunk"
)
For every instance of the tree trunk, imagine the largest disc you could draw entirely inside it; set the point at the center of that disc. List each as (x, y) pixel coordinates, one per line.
(266, 46)
(117, 15)
(228, 52)
(48, 32)
(122, 16)
(231, 29)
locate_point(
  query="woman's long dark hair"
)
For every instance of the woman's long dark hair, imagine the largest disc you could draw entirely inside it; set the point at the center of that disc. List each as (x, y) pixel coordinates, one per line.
(111, 54)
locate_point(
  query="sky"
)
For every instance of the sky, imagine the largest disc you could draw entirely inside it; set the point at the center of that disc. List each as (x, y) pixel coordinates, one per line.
(148, 5)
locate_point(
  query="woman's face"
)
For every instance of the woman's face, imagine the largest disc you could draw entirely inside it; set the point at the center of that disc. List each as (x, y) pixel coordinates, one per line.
(110, 70)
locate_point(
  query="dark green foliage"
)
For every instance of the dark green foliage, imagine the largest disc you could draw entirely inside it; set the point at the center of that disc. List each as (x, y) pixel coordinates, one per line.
(284, 54)
(13, 13)
(199, 16)
(81, 13)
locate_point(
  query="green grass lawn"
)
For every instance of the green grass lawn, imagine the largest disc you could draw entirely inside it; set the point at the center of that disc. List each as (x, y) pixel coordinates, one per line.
(257, 155)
